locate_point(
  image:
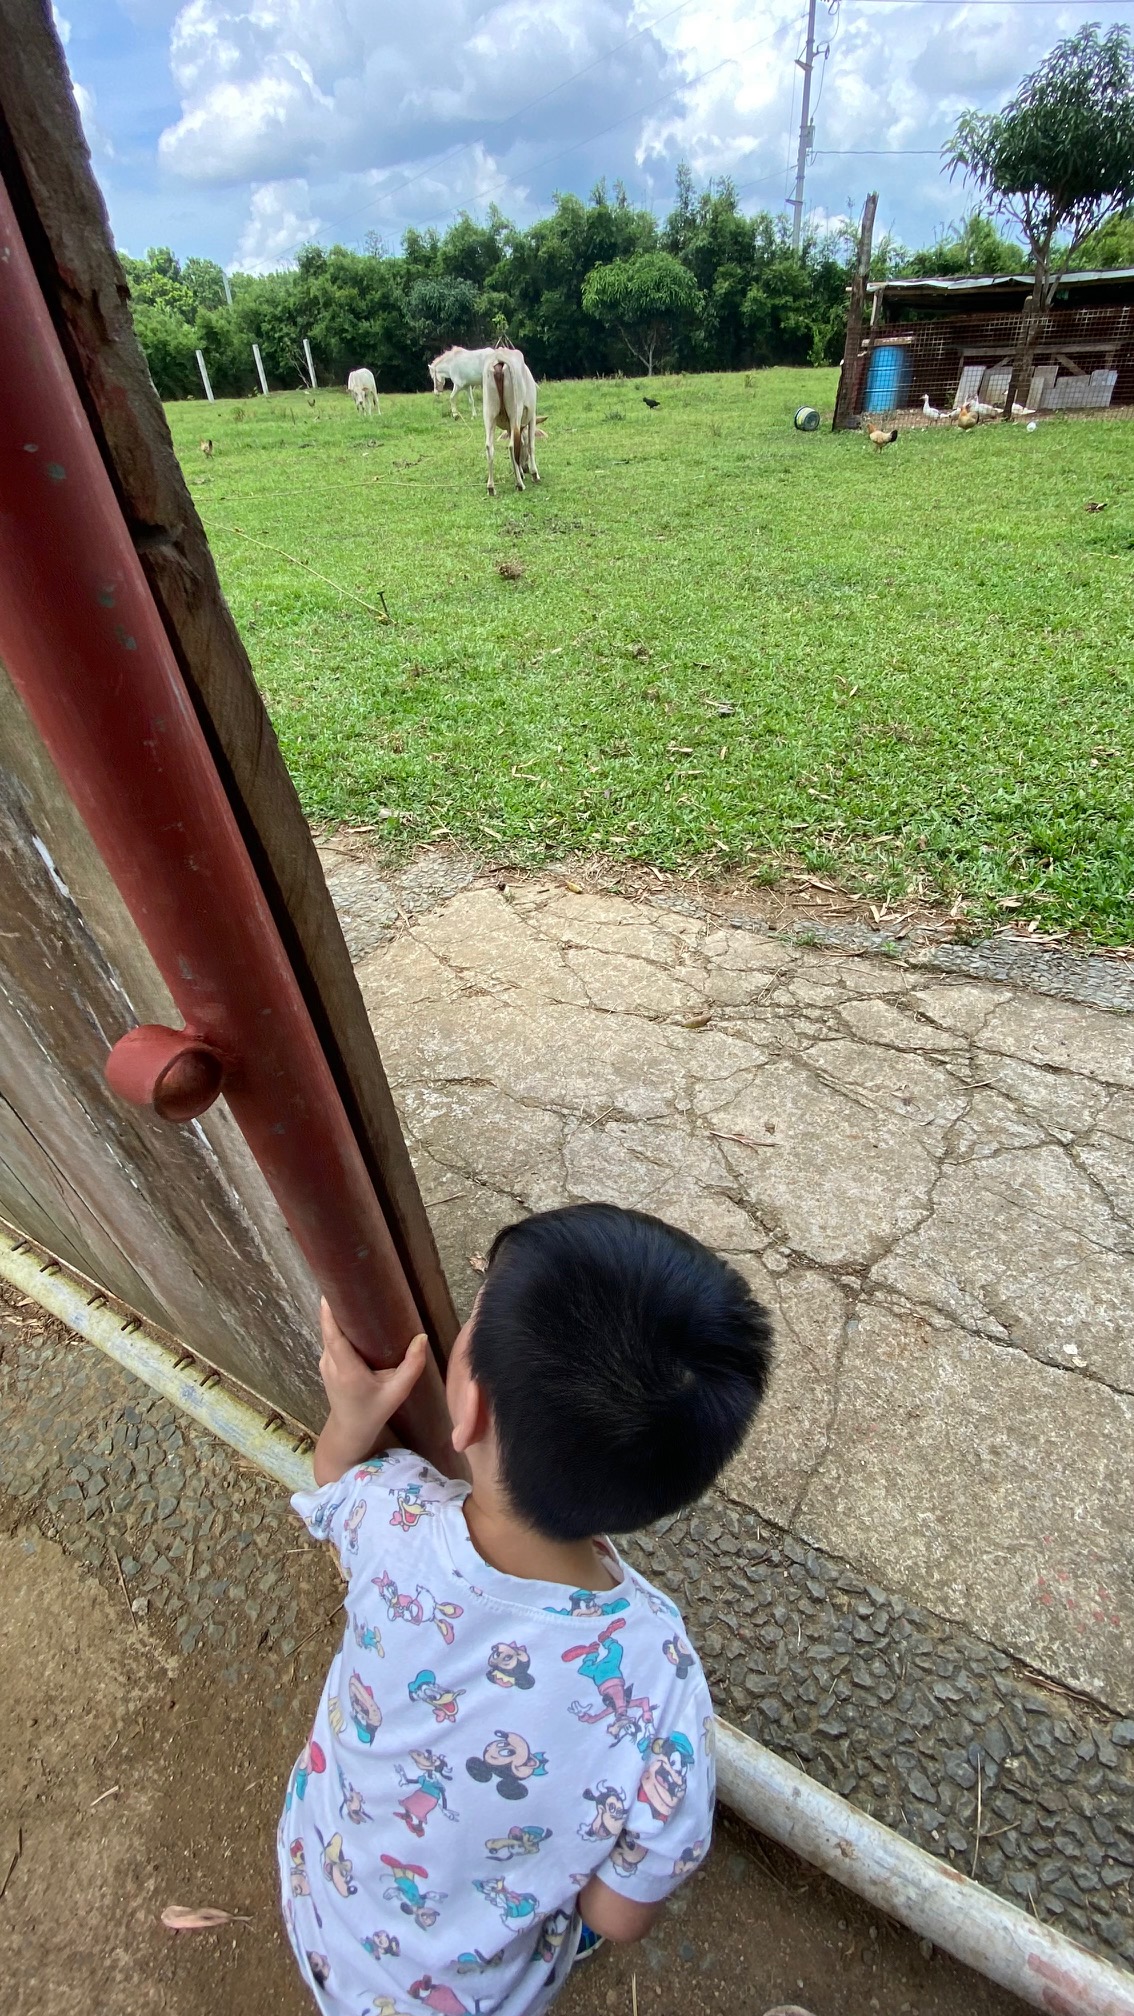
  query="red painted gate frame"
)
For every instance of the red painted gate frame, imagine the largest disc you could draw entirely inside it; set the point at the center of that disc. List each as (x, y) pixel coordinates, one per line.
(86, 647)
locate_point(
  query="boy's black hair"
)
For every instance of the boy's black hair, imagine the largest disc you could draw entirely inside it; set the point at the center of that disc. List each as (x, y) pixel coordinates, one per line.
(623, 1362)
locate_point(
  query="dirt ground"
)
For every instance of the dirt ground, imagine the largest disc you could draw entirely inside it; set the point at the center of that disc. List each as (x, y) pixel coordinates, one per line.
(131, 1778)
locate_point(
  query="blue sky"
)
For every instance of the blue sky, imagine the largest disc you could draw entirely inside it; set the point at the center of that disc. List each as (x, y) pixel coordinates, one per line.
(238, 129)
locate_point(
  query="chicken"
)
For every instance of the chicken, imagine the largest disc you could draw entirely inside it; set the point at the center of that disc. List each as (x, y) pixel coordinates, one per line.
(984, 411)
(932, 412)
(1022, 412)
(653, 404)
(879, 439)
(967, 416)
(206, 447)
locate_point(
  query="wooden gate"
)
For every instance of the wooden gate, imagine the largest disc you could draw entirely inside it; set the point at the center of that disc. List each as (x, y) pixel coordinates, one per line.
(177, 1221)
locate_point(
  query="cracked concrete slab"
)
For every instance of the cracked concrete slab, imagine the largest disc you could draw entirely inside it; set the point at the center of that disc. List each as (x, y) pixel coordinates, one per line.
(930, 1179)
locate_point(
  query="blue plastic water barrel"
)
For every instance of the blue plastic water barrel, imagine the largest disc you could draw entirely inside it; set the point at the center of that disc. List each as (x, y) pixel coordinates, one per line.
(886, 378)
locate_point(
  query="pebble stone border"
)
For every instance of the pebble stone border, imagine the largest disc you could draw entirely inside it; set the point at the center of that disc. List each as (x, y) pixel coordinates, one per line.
(910, 1717)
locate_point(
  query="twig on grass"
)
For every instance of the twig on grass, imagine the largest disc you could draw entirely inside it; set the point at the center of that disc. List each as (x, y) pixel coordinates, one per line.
(321, 1626)
(16, 1853)
(976, 1844)
(108, 1794)
(122, 1586)
(382, 614)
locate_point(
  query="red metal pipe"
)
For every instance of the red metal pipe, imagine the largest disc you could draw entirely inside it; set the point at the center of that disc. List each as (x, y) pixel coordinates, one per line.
(84, 643)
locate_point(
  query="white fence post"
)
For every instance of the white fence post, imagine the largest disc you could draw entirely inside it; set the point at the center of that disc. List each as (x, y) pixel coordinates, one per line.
(310, 365)
(260, 369)
(204, 376)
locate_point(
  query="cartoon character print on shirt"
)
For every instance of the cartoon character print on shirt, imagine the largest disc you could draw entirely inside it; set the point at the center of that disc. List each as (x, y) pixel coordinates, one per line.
(627, 1852)
(402, 1608)
(518, 1841)
(335, 1715)
(437, 1995)
(510, 1761)
(666, 1775)
(476, 1961)
(426, 1687)
(322, 1519)
(679, 1655)
(412, 1504)
(510, 1666)
(426, 1790)
(351, 1524)
(351, 1806)
(383, 1945)
(368, 1638)
(320, 1968)
(601, 1662)
(610, 1815)
(418, 1904)
(660, 1605)
(514, 1906)
(589, 1603)
(311, 1761)
(554, 1931)
(299, 1880)
(691, 1858)
(337, 1865)
(364, 1710)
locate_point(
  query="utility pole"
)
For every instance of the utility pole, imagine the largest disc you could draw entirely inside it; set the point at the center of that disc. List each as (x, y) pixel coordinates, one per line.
(806, 63)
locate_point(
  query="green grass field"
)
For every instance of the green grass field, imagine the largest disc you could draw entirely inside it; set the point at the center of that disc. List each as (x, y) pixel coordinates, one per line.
(728, 643)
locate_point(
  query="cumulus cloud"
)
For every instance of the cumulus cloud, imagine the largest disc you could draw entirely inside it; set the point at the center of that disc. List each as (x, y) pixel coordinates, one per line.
(280, 218)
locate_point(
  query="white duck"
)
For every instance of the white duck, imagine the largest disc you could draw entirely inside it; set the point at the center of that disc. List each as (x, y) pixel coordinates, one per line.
(932, 412)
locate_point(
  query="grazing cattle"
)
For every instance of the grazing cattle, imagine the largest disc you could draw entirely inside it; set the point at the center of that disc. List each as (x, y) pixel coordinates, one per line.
(462, 368)
(509, 395)
(363, 390)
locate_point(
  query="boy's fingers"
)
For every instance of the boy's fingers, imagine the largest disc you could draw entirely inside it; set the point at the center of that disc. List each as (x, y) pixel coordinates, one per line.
(404, 1377)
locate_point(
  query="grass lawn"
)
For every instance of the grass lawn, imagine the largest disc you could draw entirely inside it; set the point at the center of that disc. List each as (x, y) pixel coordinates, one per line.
(728, 642)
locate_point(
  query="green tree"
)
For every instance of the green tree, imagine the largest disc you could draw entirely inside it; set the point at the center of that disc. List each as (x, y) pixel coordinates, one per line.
(1058, 159)
(1111, 245)
(441, 312)
(972, 246)
(156, 282)
(648, 299)
(170, 352)
(205, 282)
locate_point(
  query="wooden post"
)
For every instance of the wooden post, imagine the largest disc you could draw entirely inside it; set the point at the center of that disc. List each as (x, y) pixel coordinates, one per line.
(310, 364)
(260, 368)
(204, 376)
(844, 399)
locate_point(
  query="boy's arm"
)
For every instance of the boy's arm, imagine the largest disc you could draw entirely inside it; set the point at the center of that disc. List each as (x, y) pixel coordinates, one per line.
(615, 1917)
(362, 1401)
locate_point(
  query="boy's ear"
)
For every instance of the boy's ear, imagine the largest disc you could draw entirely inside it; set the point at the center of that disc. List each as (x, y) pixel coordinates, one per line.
(472, 1421)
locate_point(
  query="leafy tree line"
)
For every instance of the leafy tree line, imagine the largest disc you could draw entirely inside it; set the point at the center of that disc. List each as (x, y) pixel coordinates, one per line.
(594, 288)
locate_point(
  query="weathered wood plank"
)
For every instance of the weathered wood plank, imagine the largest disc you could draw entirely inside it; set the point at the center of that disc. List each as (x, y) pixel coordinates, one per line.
(176, 1221)
(45, 162)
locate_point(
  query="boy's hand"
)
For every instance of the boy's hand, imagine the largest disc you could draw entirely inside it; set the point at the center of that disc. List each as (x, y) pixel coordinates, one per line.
(362, 1400)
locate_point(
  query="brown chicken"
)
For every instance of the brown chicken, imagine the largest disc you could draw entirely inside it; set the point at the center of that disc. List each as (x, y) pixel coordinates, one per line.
(879, 439)
(206, 447)
(967, 418)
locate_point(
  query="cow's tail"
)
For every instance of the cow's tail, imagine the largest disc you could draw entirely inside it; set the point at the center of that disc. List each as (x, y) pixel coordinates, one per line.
(498, 371)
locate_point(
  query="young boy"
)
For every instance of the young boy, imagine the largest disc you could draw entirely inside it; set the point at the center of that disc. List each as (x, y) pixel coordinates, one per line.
(515, 1739)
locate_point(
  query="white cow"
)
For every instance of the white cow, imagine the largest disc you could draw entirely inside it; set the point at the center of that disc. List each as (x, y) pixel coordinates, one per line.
(463, 370)
(362, 390)
(509, 394)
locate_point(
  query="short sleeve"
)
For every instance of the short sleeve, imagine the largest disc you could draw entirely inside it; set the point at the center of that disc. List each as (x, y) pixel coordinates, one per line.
(670, 1826)
(339, 1512)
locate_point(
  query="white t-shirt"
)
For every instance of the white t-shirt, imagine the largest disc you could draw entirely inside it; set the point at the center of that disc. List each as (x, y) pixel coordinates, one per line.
(483, 1746)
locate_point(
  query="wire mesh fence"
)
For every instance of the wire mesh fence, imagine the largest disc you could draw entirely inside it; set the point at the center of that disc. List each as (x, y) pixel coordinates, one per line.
(925, 372)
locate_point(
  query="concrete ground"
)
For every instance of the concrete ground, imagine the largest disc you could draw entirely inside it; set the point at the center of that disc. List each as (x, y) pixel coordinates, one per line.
(916, 1579)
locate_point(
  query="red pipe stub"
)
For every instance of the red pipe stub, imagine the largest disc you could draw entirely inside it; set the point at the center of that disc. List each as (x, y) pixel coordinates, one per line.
(170, 1070)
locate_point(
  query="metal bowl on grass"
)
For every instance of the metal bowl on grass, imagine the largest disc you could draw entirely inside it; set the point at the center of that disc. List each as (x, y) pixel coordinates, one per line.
(806, 419)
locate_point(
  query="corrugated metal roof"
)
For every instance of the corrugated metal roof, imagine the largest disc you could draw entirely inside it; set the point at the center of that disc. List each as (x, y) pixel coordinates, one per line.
(969, 283)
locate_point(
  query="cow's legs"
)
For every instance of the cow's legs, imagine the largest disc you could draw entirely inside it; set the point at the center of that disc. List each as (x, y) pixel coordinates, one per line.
(490, 451)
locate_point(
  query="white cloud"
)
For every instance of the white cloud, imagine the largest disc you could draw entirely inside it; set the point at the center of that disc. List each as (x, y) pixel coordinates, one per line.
(280, 219)
(62, 25)
(97, 139)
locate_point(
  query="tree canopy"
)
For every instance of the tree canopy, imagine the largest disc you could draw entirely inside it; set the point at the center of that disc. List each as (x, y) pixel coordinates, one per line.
(648, 299)
(1058, 159)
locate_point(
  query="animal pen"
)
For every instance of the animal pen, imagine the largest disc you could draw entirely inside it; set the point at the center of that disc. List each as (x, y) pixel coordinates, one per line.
(951, 340)
(196, 1133)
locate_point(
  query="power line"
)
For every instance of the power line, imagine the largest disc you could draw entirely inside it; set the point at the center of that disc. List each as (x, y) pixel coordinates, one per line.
(824, 153)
